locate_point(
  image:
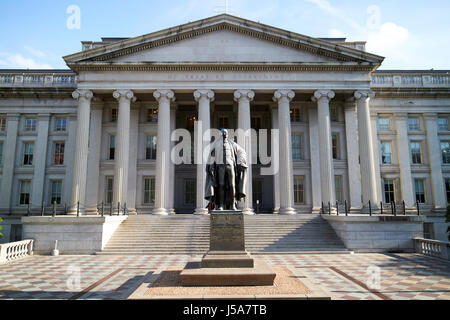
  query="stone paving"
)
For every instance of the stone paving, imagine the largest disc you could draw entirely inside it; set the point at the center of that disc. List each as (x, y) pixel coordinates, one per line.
(402, 276)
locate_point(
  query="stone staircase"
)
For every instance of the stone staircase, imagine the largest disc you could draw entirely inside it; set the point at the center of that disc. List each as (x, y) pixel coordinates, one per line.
(189, 234)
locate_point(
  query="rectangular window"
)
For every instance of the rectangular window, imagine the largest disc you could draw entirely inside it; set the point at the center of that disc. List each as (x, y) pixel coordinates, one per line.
(16, 233)
(296, 114)
(1, 153)
(338, 189)
(24, 197)
(334, 114)
(443, 124)
(420, 190)
(383, 124)
(61, 124)
(152, 115)
(413, 124)
(114, 114)
(389, 194)
(30, 124)
(416, 156)
(28, 150)
(149, 190)
(297, 148)
(299, 189)
(56, 192)
(189, 191)
(445, 151)
(386, 152)
(150, 150)
(447, 189)
(2, 123)
(428, 230)
(112, 147)
(109, 190)
(59, 153)
(224, 123)
(335, 145)
(257, 192)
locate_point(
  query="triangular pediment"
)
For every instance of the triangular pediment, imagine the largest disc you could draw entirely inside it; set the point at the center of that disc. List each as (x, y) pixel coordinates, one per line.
(223, 39)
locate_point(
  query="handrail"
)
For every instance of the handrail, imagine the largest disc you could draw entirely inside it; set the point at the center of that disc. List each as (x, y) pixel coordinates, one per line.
(15, 250)
(433, 248)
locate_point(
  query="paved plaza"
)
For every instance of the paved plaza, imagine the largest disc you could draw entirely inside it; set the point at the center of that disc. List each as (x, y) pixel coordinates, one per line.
(345, 276)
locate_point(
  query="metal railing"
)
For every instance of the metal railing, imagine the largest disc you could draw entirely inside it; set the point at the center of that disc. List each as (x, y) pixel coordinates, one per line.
(57, 209)
(391, 208)
(433, 248)
(16, 250)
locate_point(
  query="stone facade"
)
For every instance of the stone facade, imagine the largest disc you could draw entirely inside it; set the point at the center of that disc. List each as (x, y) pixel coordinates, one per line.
(101, 132)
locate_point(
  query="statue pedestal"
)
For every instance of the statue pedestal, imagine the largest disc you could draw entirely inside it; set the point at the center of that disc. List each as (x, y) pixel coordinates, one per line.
(227, 263)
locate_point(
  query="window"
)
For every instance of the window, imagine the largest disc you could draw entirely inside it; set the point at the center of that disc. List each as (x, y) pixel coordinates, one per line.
(335, 145)
(28, 149)
(413, 124)
(338, 189)
(299, 189)
(150, 150)
(297, 150)
(114, 114)
(152, 115)
(296, 115)
(149, 190)
(443, 124)
(15, 233)
(59, 153)
(386, 152)
(256, 123)
(189, 191)
(415, 152)
(420, 190)
(24, 197)
(1, 153)
(257, 192)
(30, 124)
(383, 124)
(61, 124)
(56, 192)
(334, 114)
(224, 123)
(389, 194)
(112, 147)
(2, 123)
(447, 189)
(109, 189)
(445, 151)
(428, 230)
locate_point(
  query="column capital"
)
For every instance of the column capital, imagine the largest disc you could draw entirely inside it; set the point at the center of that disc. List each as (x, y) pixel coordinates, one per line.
(209, 94)
(164, 94)
(86, 94)
(323, 94)
(126, 94)
(364, 94)
(244, 95)
(283, 94)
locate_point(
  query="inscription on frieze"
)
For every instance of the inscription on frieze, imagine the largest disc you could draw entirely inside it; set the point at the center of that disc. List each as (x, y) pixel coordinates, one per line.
(227, 231)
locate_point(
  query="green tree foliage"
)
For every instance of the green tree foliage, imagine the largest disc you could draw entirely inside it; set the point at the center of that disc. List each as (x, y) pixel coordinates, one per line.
(1, 234)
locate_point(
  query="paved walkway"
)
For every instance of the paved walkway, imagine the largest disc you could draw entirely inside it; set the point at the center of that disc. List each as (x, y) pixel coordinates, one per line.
(402, 276)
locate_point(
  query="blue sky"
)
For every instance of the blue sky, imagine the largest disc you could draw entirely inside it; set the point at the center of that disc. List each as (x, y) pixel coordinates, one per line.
(411, 34)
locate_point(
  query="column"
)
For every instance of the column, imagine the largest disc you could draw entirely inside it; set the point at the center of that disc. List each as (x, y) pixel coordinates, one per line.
(132, 165)
(173, 120)
(203, 138)
(434, 152)
(79, 171)
(120, 193)
(354, 173)
(243, 98)
(163, 160)
(367, 160)
(376, 155)
(323, 98)
(315, 160)
(275, 153)
(283, 98)
(69, 154)
(9, 158)
(404, 157)
(40, 160)
(93, 170)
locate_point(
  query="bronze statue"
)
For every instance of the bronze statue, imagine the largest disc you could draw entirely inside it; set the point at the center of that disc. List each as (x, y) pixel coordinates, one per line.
(226, 174)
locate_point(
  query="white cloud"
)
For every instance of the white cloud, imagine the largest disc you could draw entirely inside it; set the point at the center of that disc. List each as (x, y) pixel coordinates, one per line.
(20, 62)
(390, 40)
(35, 52)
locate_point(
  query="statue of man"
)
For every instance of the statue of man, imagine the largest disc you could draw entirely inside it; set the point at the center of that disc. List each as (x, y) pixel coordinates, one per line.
(226, 173)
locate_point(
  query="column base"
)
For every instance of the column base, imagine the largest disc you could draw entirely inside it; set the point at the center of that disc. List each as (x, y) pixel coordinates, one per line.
(201, 211)
(91, 212)
(316, 210)
(248, 211)
(276, 210)
(287, 211)
(132, 212)
(160, 212)
(172, 211)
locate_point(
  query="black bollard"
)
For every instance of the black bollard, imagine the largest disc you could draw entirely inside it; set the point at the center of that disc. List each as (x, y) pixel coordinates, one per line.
(323, 208)
(42, 209)
(381, 207)
(337, 208)
(329, 208)
(103, 208)
(54, 208)
(78, 208)
(110, 208)
(418, 208)
(370, 208)
(125, 208)
(65, 208)
(345, 205)
(118, 208)
(404, 208)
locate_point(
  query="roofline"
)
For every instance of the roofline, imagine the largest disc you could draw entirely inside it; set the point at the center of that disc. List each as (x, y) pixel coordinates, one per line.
(411, 71)
(36, 71)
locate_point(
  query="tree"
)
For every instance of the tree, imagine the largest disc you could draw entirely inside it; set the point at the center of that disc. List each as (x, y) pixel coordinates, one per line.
(1, 234)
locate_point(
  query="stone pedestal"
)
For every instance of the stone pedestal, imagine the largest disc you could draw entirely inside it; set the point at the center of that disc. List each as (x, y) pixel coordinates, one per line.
(227, 263)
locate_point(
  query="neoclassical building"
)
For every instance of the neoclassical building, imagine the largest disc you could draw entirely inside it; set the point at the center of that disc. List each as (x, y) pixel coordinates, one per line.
(100, 133)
